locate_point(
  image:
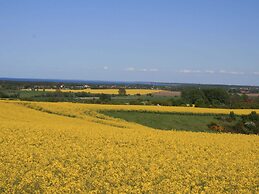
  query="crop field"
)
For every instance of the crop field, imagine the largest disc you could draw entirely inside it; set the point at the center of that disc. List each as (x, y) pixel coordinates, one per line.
(167, 121)
(74, 148)
(109, 91)
(177, 109)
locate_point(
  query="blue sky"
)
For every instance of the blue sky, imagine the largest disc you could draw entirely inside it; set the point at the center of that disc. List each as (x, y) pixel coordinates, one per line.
(197, 41)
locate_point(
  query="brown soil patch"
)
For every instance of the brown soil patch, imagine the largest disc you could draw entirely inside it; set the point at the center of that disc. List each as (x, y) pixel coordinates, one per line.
(167, 93)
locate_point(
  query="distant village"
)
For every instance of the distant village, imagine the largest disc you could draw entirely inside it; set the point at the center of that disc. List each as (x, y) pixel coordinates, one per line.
(83, 86)
(249, 91)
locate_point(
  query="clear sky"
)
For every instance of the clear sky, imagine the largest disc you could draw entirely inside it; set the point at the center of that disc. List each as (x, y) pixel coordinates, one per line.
(198, 41)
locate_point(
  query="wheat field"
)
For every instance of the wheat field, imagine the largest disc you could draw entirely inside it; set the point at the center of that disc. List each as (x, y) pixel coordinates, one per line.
(72, 148)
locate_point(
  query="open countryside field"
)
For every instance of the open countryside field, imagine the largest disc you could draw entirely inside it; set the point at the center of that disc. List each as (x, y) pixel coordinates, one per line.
(167, 121)
(68, 147)
(108, 91)
(176, 109)
(129, 97)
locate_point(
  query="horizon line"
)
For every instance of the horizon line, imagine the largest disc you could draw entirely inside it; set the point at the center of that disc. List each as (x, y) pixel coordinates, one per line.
(114, 81)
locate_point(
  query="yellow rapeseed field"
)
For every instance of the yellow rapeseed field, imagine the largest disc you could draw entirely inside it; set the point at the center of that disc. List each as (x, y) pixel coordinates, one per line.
(109, 91)
(72, 148)
(179, 109)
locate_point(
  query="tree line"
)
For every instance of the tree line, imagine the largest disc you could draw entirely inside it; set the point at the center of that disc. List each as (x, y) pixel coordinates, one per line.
(215, 97)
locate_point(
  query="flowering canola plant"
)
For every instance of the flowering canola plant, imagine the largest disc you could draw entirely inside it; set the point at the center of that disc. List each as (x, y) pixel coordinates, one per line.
(177, 109)
(72, 148)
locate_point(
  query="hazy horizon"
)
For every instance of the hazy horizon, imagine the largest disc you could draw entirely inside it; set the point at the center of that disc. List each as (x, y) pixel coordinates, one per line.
(203, 42)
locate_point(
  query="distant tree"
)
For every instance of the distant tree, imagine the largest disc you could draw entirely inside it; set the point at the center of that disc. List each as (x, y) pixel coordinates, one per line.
(177, 102)
(217, 96)
(234, 100)
(192, 95)
(122, 92)
(3, 95)
(245, 98)
(200, 102)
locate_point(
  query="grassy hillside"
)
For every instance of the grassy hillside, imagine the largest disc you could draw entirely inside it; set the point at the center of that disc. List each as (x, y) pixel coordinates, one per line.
(166, 121)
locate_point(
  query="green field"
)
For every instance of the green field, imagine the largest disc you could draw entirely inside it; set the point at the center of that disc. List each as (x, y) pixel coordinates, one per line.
(166, 121)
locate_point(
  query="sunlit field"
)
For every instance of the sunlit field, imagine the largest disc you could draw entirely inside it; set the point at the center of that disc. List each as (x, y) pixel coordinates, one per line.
(73, 148)
(97, 107)
(107, 91)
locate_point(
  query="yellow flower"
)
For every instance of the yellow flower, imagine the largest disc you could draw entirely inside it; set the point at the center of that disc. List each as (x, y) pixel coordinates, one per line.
(73, 148)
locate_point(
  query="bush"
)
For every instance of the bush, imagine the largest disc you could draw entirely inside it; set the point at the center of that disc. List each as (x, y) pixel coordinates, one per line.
(253, 116)
(216, 127)
(246, 128)
(232, 116)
